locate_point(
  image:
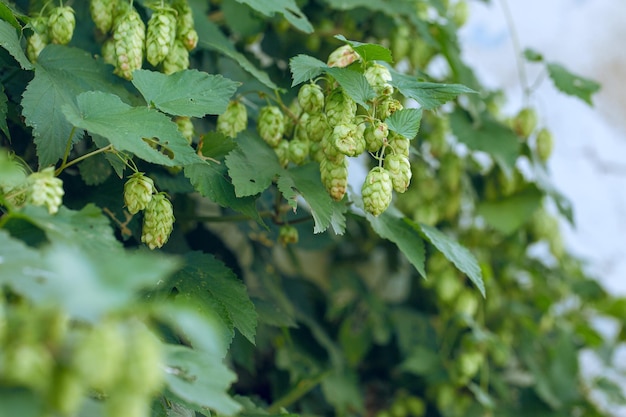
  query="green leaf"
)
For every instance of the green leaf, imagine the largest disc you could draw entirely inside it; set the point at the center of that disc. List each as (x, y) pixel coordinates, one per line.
(185, 93)
(200, 380)
(457, 254)
(287, 8)
(509, 214)
(487, 135)
(354, 84)
(209, 179)
(399, 231)
(428, 95)
(252, 165)
(305, 67)
(212, 38)
(305, 180)
(131, 129)
(216, 145)
(21, 267)
(532, 55)
(212, 282)
(12, 173)
(9, 15)
(4, 108)
(421, 361)
(572, 84)
(95, 170)
(61, 74)
(10, 42)
(405, 122)
(368, 51)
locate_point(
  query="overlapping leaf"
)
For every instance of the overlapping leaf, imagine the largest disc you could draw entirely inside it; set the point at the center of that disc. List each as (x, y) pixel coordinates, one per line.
(287, 8)
(10, 42)
(406, 122)
(428, 95)
(369, 51)
(572, 84)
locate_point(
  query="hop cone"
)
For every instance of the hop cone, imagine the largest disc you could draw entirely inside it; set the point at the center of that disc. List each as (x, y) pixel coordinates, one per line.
(158, 221)
(399, 169)
(108, 52)
(377, 191)
(378, 76)
(138, 192)
(45, 190)
(185, 126)
(233, 120)
(184, 26)
(344, 138)
(340, 108)
(177, 59)
(311, 98)
(316, 127)
(102, 13)
(160, 35)
(298, 151)
(330, 150)
(282, 152)
(375, 135)
(271, 125)
(342, 56)
(129, 34)
(61, 24)
(335, 177)
(387, 107)
(398, 144)
(287, 235)
(544, 144)
(316, 152)
(39, 39)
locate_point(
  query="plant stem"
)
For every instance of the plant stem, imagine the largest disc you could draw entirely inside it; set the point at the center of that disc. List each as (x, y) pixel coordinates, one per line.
(68, 146)
(301, 389)
(521, 69)
(81, 158)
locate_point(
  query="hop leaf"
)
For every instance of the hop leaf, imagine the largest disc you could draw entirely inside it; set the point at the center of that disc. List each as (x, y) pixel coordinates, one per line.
(129, 34)
(158, 221)
(311, 98)
(377, 191)
(160, 36)
(271, 125)
(44, 189)
(102, 13)
(399, 169)
(334, 176)
(138, 192)
(177, 59)
(233, 120)
(61, 25)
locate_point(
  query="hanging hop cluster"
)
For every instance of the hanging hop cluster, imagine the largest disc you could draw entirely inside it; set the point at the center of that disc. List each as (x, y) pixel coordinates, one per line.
(55, 27)
(44, 189)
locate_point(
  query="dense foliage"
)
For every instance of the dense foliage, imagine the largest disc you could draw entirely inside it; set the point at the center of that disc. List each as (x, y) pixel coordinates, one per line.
(253, 207)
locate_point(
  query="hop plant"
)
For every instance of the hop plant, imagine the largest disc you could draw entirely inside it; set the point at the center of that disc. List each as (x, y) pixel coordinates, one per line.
(343, 56)
(61, 24)
(525, 122)
(311, 98)
(399, 169)
(102, 14)
(377, 191)
(158, 221)
(177, 59)
(160, 35)
(44, 189)
(143, 362)
(138, 192)
(129, 34)
(233, 120)
(340, 108)
(185, 126)
(271, 125)
(375, 135)
(378, 76)
(334, 176)
(39, 39)
(287, 235)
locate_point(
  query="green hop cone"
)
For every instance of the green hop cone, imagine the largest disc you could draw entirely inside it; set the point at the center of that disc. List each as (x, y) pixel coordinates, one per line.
(61, 25)
(340, 108)
(375, 135)
(398, 144)
(287, 235)
(138, 192)
(525, 122)
(460, 13)
(317, 127)
(233, 120)
(271, 125)
(67, 391)
(178, 58)
(185, 126)
(544, 143)
(330, 150)
(108, 52)
(343, 56)
(102, 13)
(298, 151)
(377, 191)
(334, 176)
(401, 42)
(399, 169)
(142, 367)
(185, 31)
(160, 35)
(129, 33)
(344, 138)
(387, 107)
(127, 404)
(316, 152)
(450, 171)
(311, 98)
(282, 152)
(158, 221)
(44, 189)
(378, 76)
(39, 39)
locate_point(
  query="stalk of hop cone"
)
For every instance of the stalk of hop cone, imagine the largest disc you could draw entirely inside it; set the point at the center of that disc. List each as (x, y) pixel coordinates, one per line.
(158, 221)
(311, 98)
(340, 108)
(233, 120)
(39, 39)
(399, 169)
(61, 24)
(44, 189)
(177, 59)
(271, 125)
(138, 192)
(160, 35)
(102, 14)
(377, 191)
(184, 26)
(129, 35)
(378, 76)
(334, 176)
